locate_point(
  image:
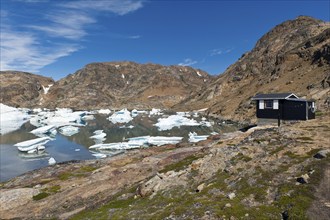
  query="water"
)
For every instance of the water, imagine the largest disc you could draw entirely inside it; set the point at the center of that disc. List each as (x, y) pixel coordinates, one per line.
(63, 148)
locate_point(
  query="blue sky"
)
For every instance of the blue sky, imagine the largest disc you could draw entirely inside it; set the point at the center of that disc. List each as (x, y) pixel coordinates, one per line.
(57, 37)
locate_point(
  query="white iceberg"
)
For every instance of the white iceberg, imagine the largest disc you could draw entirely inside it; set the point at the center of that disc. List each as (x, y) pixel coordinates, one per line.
(11, 118)
(99, 155)
(104, 111)
(155, 111)
(116, 146)
(160, 140)
(58, 118)
(122, 116)
(88, 117)
(29, 145)
(51, 161)
(98, 134)
(194, 138)
(175, 121)
(48, 129)
(69, 130)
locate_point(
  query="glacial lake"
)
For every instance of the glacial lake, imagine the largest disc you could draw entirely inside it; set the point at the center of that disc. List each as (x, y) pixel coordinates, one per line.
(76, 147)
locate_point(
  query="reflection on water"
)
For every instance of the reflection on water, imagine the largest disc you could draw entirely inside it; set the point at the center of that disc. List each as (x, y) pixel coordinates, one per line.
(75, 147)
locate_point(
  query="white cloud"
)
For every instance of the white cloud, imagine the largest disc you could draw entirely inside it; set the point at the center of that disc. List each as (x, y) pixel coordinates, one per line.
(64, 25)
(120, 7)
(67, 24)
(134, 37)
(187, 62)
(20, 51)
(215, 52)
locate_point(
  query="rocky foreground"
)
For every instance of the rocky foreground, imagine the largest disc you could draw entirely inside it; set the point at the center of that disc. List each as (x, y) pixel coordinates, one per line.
(264, 173)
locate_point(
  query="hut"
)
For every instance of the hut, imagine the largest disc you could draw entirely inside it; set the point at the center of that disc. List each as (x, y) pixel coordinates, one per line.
(284, 106)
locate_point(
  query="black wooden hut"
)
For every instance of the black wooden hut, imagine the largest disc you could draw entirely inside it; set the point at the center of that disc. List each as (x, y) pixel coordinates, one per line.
(284, 106)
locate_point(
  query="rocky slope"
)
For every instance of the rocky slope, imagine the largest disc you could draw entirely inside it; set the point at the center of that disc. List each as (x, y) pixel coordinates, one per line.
(21, 89)
(264, 173)
(292, 57)
(126, 84)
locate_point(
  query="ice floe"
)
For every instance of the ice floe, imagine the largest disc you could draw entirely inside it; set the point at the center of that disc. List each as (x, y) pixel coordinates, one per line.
(99, 155)
(175, 121)
(122, 116)
(29, 145)
(48, 130)
(194, 138)
(88, 117)
(69, 130)
(11, 118)
(155, 111)
(51, 161)
(104, 111)
(98, 134)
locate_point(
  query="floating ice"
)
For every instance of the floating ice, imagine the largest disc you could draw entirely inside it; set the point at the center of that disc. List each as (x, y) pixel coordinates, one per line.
(174, 121)
(99, 155)
(193, 137)
(88, 117)
(116, 146)
(155, 111)
(48, 129)
(11, 118)
(51, 161)
(98, 134)
(159, 140)
(26, 146)
(61, 117)
(69, 130)
(122, 116)
(104, 111)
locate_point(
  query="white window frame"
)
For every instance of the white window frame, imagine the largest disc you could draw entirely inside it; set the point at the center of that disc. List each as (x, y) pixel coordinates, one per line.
(261, 104)
(275, 104)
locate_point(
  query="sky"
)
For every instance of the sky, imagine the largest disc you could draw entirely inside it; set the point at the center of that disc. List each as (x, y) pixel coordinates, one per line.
(55, 38)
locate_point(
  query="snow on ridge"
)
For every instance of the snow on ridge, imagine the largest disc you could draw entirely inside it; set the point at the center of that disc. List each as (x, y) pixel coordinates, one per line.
(197, 72)
(46, 89)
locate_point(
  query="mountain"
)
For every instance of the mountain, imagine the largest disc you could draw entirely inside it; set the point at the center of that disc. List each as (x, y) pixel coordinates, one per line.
(292, 57)
(126, 84)
(21, 89)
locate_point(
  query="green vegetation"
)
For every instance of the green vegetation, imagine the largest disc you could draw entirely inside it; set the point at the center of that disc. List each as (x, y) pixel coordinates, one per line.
(180, 165)
(47, 192)
(40, 196)
(83, 171)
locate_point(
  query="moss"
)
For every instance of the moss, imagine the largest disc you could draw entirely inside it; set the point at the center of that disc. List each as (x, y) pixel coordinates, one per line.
(318, 113)
(305, 138)
(277, 149)
(40, 196)
(87, 169)
(180, 165)
(240, 157)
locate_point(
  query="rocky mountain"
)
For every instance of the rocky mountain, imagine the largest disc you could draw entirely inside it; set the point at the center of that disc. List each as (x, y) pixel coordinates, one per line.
(126, 84)
(21, 89)
(292, 57)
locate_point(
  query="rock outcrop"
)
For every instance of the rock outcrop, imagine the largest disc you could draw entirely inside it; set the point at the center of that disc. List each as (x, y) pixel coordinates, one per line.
(21, 89)
(126, 84)
(293, 57)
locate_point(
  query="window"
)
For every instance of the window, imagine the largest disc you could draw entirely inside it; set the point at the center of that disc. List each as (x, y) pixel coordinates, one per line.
(269, 104)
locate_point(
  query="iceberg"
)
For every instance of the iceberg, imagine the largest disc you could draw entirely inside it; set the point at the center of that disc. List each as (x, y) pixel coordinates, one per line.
(51, 161)
(104, 111)
(29, 145)
(122, 116)
(11, 118)
(58, 118)
(88, 117)
(69, 130)
(175, 121)
(99, 155)
(98, 134)
(160, 140)
(48, 129)
(116, 146)
(194, 138)
(155, 111)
